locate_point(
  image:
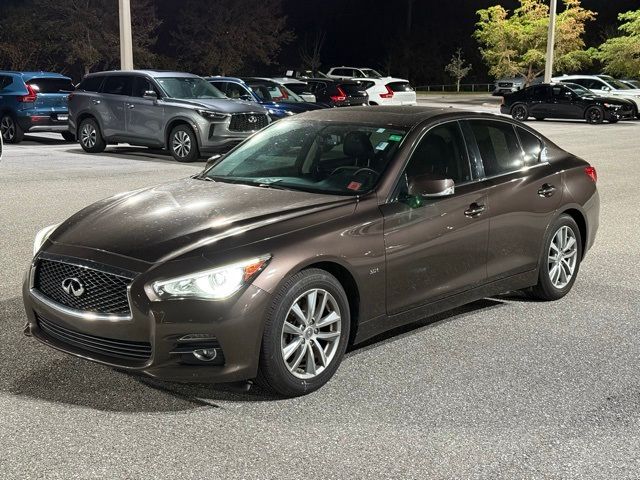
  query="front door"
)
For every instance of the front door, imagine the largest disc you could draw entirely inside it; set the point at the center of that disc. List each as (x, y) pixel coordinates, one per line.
(145, 117)
(566, 103)
(436, 247)
(111, 105)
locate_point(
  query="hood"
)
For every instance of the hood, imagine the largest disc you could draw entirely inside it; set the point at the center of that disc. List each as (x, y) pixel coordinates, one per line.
(614, 100)
(295, 107)
(224, 105)
(158, 223)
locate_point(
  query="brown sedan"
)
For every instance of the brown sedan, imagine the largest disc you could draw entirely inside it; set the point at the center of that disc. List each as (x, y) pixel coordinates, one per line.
(319, 232)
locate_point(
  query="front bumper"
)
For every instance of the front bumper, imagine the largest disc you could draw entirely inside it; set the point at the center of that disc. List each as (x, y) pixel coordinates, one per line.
(235, 324)
(618, 114)
(44, 122)
(218, 136)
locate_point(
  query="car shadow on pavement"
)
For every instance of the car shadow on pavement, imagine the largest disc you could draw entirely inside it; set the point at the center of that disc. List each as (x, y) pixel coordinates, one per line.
(138, 153)
(33, 140)
(30, 369)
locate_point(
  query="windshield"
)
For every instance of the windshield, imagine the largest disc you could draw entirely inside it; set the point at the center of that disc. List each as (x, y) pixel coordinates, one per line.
(321, 157)
(274, 92)
(579, 90)
(188, 88)
(370, 73)
(616, 84)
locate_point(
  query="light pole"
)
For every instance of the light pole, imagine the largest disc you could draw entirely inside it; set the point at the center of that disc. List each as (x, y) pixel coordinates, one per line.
(551, 38)
(126, 42)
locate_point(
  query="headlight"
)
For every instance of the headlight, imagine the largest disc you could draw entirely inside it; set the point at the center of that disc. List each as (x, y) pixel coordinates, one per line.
(215, 284)
(42, 236)
(612, 105)
(211, 115)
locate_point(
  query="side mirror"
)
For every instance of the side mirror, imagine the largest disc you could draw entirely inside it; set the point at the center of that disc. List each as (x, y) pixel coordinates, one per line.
(426, 186)
(246, 97)
(605, 88)
(211, 161)
(150, 95)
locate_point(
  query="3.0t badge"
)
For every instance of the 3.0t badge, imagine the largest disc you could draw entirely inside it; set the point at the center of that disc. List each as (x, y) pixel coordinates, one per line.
(73, 286)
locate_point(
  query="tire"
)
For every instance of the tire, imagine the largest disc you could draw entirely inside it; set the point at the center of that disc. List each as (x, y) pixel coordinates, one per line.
(613, 120)
(183, 144)
(539, 119)
(594, 115)
(546, 288)
(91, 139)
(68, 136)
(10, 129)
(520, 112)
(295, 376)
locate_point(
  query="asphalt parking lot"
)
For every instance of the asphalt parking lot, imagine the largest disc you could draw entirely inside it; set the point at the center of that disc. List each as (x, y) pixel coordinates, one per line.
(502, 388)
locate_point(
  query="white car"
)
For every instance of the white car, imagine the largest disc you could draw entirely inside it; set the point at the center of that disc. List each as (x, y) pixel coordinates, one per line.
(604, 85)
(381, 90)
(299, 87)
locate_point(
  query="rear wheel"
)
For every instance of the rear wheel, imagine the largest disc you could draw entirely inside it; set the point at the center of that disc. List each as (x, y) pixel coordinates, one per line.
(306, 334)
(560, 260)
(594, 115)
(183, 144)
(90, 137)
(520, 112)
(68, 136)
(11, 131)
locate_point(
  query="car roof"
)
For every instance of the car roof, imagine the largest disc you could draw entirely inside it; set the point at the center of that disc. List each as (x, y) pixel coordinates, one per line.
(399, 116)
(224, 79)
(150, 73)
(30, 75)
(287, 80)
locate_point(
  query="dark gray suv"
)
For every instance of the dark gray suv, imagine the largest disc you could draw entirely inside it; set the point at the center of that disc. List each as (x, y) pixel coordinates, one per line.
(177, 111)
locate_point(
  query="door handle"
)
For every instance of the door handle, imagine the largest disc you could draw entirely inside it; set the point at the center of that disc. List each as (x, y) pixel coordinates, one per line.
(95, 102)
(546, 190)
(475, 210)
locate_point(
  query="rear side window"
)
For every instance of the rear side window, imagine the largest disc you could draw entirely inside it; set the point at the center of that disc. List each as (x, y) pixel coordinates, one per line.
(531, 145)
(367, 84)
(352, 89)
(400, 86)
(498, 146)
(51, 85)
(91, 84)
(5, 81)
(298, 87)
(118, 85)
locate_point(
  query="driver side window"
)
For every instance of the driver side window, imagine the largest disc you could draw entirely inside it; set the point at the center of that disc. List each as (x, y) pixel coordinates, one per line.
(441, 154)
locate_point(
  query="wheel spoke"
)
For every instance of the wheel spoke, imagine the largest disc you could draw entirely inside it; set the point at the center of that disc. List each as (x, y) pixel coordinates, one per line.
(312, 298)
(292, 329)
(310, 367)
(322, 305)
(570, 244)
(323, 357)
(296, 362)
(299, 313)
(327, 335)
(333, 317)
(291, 348)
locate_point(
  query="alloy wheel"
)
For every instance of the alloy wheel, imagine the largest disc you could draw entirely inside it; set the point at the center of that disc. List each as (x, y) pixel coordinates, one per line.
(88, 135)
(595, 115)
(181, 143)
(311, 333)
(519, 113)
(563, 257)
(8, 128)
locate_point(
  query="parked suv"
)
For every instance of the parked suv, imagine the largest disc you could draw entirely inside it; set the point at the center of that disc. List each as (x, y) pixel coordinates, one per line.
(33, 102)
(178, 111)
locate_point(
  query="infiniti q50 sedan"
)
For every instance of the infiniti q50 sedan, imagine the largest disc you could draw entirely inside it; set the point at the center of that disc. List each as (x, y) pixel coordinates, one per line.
(321, 231)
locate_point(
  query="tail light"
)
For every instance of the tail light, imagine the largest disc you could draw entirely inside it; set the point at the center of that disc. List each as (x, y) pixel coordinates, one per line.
(341, 97)
(389, 93)
(30, 97)
(591, 173)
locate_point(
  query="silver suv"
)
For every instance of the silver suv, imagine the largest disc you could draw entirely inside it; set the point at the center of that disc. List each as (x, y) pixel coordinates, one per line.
(177, 111)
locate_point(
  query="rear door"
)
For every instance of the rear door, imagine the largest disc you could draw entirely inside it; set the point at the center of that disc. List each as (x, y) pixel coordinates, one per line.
(115, 90)
(525, 191)
(539, 101)
(145, 117)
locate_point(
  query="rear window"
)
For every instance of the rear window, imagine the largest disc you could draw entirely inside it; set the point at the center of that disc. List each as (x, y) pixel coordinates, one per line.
(51, 85)
(298, 87)
(400, 86)
(352, 89)
(118, 85)
(91, 84)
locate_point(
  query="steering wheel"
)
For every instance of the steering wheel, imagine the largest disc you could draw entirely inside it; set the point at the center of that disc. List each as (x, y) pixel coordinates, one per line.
(346, 167)
(366, 170)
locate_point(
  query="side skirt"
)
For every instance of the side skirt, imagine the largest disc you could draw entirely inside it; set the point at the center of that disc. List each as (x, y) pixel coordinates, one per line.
(381, 324)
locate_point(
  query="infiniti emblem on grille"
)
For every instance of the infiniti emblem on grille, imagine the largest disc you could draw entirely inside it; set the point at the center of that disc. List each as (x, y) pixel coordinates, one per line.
(73, 286)
(252, 119)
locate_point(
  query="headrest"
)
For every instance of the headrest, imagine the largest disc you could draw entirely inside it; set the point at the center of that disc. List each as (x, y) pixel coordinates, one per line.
(357, 144)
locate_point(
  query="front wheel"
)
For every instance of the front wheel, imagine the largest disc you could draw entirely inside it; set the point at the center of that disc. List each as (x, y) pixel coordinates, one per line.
(594, 115)
(183, 144)
(561, 256)
(520, 112)
(306, 334)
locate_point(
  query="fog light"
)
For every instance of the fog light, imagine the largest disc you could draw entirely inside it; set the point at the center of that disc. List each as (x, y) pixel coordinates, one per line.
(205, 354)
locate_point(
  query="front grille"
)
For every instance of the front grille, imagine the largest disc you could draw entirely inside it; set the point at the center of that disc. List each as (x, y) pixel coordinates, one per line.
(103, 346)
(103, 292)
(505, 84)
(247, 122)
